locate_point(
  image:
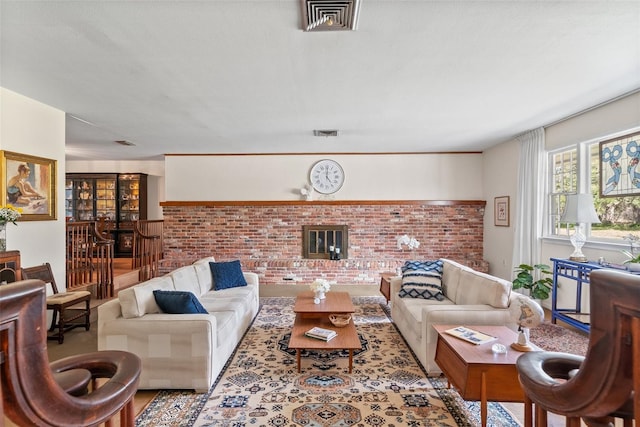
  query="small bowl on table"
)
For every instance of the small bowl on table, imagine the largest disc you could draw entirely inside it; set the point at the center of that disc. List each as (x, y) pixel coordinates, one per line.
(340, 320)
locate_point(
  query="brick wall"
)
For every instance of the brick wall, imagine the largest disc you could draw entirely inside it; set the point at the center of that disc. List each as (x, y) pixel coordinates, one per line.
(268, 238)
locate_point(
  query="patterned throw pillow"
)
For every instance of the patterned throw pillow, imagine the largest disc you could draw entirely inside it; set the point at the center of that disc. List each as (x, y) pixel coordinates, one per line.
(422, 279)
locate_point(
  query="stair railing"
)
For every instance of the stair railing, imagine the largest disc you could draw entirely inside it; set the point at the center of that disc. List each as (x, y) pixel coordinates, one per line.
(147, 247)
(89, 259)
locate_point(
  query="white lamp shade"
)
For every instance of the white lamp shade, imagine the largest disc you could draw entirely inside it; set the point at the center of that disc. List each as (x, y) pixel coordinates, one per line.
(579, 209)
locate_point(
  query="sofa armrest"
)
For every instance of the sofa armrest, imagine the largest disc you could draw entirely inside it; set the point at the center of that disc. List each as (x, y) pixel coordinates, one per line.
(395, 284)
(109, 311)
(251, 278)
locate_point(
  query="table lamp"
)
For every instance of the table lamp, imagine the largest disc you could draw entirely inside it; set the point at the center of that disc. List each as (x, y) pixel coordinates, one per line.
(579, 210)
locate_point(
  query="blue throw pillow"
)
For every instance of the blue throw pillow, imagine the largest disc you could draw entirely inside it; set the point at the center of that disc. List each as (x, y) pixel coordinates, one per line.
(227, 275)
(178, 302)
(422, 279)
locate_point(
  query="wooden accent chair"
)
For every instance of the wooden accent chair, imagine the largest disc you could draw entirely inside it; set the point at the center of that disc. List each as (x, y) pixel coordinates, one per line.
(65, 315)
(33, 392)
(605, 383)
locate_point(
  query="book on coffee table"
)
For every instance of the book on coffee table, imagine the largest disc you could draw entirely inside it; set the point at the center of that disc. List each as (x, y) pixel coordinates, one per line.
(321, 333)
(470, 335)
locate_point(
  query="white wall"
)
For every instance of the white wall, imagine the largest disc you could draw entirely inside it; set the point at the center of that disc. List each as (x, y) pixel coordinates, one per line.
(29, 127)
(367, 177)
(155, 180)
(501, 179)
(598, 123)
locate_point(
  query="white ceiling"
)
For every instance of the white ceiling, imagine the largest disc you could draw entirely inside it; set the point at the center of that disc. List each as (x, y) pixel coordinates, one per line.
(240, 76)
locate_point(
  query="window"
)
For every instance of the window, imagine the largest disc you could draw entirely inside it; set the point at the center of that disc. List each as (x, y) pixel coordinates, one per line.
(577, 169)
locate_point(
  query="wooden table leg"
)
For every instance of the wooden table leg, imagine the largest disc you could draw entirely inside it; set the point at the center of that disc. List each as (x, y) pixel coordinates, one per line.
(528, 412)
(350, 360)
(298, 358)
(483, 400)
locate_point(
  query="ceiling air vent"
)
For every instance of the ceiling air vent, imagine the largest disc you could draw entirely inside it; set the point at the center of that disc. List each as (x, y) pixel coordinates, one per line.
(325, 132)
(123, 142)
(330, 15)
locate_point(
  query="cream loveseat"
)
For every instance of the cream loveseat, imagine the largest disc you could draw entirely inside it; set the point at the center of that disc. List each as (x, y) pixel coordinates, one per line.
(179, 351)
(470, 298)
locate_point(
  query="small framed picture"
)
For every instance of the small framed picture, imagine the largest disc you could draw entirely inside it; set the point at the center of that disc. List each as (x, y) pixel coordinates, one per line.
(501, 211)
(29, 183)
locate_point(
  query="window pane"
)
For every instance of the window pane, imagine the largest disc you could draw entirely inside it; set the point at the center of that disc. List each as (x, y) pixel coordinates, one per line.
(564, 179)
(619, 215)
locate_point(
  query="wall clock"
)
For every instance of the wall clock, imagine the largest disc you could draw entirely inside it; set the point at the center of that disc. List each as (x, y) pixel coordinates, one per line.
(326, 176)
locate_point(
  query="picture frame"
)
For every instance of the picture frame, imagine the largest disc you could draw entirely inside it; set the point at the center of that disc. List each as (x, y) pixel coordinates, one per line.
(28, 182)
(501, 211)
(619, 161)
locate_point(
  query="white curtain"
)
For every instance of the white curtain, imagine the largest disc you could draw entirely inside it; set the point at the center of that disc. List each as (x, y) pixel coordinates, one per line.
(529, 206)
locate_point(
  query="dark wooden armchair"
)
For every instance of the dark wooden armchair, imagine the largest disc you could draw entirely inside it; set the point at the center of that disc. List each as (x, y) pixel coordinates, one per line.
(603, 384)
(35, 392)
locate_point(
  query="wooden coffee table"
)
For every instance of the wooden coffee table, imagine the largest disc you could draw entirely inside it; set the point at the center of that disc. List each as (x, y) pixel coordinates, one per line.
(309, 315)
(478, 373)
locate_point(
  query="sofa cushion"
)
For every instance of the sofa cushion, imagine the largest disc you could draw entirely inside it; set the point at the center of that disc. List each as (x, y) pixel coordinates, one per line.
(227, 275)
(205, 280)
(186, 279)
(205, 260)
(178, 302)
(480, 288)
(451, 278)
(422, 279)
(138, 300)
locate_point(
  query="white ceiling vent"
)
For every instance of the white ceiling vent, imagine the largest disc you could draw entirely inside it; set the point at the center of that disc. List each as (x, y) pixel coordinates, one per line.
(330, 15)
(326, 132)
(125, 143)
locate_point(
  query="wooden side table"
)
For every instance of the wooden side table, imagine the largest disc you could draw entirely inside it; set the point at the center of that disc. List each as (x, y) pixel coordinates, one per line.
(385, 284)
(475, 371)
(10, 266)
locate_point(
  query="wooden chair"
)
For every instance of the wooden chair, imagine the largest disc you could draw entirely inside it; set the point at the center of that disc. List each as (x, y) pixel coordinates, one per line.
(604, 384)
(65, 307)
(35, 392)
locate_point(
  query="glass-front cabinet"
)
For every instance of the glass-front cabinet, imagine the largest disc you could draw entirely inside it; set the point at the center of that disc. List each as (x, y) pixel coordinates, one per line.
(115, 199)
(90, 197)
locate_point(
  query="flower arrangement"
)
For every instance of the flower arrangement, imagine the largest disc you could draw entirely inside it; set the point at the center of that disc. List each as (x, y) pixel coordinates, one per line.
(409, 242)
(320, 285)
(10, 214)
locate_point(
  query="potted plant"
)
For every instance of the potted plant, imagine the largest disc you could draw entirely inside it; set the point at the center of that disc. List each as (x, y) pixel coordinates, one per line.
(633, 255)
(633, 263)
(536, 279)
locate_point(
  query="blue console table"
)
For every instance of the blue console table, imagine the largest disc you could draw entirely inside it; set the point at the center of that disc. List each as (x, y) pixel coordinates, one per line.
(578, 271)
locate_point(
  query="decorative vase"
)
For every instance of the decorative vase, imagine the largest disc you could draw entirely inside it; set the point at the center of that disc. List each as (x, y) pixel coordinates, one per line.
(633, 266)
(319, 295)
(3, 236)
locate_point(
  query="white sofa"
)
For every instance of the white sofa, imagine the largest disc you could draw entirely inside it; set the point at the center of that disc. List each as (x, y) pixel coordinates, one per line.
(179, 351)
(471, 298)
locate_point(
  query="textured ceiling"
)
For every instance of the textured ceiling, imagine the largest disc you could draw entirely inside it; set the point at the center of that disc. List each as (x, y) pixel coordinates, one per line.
(239, 76)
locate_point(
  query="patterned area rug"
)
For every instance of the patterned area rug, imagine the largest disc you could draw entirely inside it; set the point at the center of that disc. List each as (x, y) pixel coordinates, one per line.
(557, 338)
(261, 387)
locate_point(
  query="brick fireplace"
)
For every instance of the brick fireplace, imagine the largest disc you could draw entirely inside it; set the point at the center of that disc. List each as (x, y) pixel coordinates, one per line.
(267, 236)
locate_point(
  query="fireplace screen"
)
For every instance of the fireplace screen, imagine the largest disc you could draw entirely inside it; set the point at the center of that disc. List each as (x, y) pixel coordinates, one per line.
(325, 241)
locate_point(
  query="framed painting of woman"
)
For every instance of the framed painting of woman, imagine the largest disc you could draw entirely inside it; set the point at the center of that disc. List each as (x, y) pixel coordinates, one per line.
(28, 182)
